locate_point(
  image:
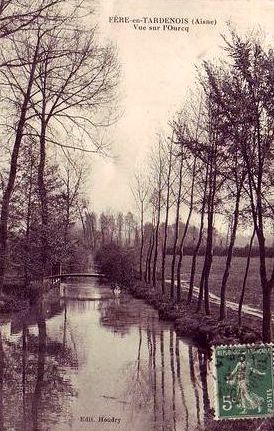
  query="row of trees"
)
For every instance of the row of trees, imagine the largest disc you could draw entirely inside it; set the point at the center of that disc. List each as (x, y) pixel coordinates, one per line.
(56, 86)
(218, 159)
(109, 228)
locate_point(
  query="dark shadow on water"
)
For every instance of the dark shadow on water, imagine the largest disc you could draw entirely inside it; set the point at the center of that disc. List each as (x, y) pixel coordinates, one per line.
(194, 383)
(33, 384)
(37, 394)
(203, 359)
(172, 367)
(179, 378)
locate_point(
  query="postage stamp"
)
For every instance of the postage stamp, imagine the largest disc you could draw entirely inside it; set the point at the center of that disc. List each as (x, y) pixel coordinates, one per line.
(244, 381)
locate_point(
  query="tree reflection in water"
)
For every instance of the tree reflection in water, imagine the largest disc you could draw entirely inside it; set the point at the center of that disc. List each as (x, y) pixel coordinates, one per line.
(171, 353)
(160, 394)
(34, 391)
(117, 316)
(162, 347)
(179, 379)
(194, 383)
(37, 394)
(162, 385)
(203, 360)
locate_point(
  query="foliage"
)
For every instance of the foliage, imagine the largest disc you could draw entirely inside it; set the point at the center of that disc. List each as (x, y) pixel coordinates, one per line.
(117, 263)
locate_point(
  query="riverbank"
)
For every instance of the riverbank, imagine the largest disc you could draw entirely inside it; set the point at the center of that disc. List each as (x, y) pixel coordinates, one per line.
(14, 297)
(14, 301)
(206, 331)
(10, 304)
(164, 351)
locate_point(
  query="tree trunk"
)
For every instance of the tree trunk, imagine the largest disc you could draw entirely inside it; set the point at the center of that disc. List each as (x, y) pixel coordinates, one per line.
(229, 256)
(83, 223)
(142, 242)
(204, 288)
(181, 247)
(194, 257)
(179, 264)
(67, 220)
(201, 291)
(208, 263)
(174, 251)
(28, 220)
(13, 169)
(154, 271)
(200, 237)
(163, 276)
(266, 284)
(257, 214)
(267, 314)
(150, 254)
(241, 301)
(210, 217)
(43, 200)
(147, 256)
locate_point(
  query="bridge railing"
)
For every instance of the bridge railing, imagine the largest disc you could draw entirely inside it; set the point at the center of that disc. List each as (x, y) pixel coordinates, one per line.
(76, 275)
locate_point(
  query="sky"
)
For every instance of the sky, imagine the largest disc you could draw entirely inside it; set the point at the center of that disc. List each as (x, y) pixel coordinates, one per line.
(157, 70)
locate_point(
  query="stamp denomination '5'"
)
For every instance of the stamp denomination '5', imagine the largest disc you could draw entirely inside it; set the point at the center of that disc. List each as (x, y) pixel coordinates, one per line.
(244, 381)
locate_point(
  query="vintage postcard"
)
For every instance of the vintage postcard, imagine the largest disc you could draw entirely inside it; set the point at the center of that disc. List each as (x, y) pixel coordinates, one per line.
(136, 215)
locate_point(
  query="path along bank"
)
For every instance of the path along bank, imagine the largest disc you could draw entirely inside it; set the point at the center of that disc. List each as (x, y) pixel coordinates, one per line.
(204, 330)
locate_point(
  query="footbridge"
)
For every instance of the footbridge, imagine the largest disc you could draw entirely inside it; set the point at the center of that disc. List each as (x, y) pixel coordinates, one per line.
(63, 276)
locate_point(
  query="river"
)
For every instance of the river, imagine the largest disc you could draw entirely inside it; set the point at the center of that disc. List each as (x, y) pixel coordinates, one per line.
(95, 361)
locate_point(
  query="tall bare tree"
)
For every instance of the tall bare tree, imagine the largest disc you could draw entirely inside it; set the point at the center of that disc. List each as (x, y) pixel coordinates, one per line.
(157, 201)
(178, 198)
(76, 78)
(168, 204)
(20, 98)
(140, 190)
(244, 93)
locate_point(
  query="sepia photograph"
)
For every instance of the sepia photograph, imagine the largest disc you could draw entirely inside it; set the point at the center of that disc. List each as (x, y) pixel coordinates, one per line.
(136, 215)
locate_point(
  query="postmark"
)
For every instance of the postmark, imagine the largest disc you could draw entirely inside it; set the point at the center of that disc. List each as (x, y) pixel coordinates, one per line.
(244, 381)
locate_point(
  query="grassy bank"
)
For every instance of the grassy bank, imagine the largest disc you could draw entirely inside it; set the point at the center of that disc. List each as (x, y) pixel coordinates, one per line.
(11, 304)
(14, 297)
(204, 330)
(118, 264)
(253, 295)
(207, 331)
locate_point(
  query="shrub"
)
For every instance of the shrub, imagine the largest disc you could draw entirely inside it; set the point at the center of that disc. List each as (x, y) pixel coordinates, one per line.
(117, 263)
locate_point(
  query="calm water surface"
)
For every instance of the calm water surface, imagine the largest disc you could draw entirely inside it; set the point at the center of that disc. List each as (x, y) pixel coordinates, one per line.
(93, 361)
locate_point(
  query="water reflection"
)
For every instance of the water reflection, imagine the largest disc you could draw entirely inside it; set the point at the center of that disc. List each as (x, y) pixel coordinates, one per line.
(172, 368)
(37, 394)
(162, 381)
(96, 358)
(34, 386)
(203, 376)
(194, 383)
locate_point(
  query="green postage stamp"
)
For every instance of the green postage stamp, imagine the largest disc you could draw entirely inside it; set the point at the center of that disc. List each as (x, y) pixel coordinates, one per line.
(244, 381)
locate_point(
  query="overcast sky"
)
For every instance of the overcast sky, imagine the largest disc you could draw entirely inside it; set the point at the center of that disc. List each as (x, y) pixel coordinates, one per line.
(158, 68)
